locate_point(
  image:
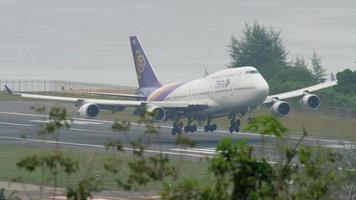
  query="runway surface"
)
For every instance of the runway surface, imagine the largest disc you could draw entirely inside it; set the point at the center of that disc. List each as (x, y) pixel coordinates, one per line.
(20, 125)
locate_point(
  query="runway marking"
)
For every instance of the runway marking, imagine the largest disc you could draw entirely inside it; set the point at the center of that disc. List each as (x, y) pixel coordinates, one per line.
(200, 130)
(347, 146)
(22, 114)
(78, 122)
(65, 198)
(194, 151)
(211, 149)
(16, 124)
(88, 130)
(98, 146)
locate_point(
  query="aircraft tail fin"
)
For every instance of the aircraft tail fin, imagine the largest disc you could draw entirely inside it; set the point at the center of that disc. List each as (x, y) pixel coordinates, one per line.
(8, 90)
(145, 73)
(332, 77)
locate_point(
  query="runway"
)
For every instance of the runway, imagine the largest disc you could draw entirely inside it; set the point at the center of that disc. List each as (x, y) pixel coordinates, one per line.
(20, 125)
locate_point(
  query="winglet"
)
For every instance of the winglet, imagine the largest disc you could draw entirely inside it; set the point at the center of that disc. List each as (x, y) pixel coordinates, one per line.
(8, 90)
(332, 77)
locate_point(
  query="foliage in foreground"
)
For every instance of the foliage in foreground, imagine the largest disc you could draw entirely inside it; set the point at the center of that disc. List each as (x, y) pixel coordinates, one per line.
(303, 173)
(238, 171)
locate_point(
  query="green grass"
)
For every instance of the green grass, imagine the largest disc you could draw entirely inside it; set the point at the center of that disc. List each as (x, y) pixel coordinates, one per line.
(91, 163)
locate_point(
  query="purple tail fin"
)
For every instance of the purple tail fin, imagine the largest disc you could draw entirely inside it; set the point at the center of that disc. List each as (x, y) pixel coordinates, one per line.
(145, 74)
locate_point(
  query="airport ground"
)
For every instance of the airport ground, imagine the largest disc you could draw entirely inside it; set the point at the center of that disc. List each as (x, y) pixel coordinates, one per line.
(86, 138)
(318, 124)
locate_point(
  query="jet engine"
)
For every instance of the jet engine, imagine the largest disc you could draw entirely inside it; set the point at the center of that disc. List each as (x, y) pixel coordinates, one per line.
(311, 101)
(157, 113)
(89, 110)
(280, 108)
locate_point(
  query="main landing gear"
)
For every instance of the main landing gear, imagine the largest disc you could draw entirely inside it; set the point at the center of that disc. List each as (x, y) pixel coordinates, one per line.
(177, 127)
(209, 126)
(190, 128)
(234, 124)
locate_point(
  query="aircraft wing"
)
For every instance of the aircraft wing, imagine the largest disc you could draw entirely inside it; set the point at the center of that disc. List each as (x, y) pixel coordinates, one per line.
(301, 92)
(121, 104)
(132, 96)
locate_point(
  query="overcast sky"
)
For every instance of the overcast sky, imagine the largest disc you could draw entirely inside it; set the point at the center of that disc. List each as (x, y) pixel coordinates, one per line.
(87, 40)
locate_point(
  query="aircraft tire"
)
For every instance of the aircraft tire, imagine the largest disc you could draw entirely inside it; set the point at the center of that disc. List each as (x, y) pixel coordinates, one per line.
(206, 129)
(174, 132)
(191, 129)
(213, 127)
(231, 129)
(194, 128)
(237, 128)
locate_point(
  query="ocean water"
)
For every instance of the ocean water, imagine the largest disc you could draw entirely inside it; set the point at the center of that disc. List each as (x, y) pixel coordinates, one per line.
(87, 40)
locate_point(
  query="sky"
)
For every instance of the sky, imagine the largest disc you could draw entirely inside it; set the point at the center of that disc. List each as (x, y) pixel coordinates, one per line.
(87, 40)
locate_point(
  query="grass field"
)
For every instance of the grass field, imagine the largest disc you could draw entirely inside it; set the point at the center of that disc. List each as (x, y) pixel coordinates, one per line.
(91, 163)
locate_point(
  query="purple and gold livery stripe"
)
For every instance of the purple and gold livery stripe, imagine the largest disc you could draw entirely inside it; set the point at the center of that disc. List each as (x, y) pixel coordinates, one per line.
(161, 93)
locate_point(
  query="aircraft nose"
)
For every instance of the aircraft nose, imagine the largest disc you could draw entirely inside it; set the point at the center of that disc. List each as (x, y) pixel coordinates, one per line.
(263, 88)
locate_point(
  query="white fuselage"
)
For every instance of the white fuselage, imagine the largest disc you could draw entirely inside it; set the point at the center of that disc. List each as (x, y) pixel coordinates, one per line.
(227, 91)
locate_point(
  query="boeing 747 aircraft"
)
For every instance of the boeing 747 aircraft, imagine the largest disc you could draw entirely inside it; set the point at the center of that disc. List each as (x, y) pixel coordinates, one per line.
(228, 92)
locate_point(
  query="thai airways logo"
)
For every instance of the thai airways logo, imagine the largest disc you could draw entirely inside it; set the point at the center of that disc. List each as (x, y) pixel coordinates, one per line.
(140, 62)
(227, 82)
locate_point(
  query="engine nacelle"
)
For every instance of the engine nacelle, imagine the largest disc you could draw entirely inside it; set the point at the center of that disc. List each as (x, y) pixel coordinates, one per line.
(311, 101)
(158, 113)
(89, 110)
(280, 108)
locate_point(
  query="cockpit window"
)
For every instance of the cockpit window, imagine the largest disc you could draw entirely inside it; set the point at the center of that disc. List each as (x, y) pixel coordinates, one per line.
(252, 72)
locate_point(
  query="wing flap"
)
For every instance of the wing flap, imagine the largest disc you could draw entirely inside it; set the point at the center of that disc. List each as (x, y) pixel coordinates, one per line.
(121, 104)
(118, 95)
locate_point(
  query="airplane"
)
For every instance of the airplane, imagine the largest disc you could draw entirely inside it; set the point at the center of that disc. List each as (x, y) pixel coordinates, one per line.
(229, 92)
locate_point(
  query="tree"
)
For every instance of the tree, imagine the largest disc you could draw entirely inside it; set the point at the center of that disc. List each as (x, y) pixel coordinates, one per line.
(300, 72)
(295, 76)
(346, 82)
(260, 47)
(318, 70)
